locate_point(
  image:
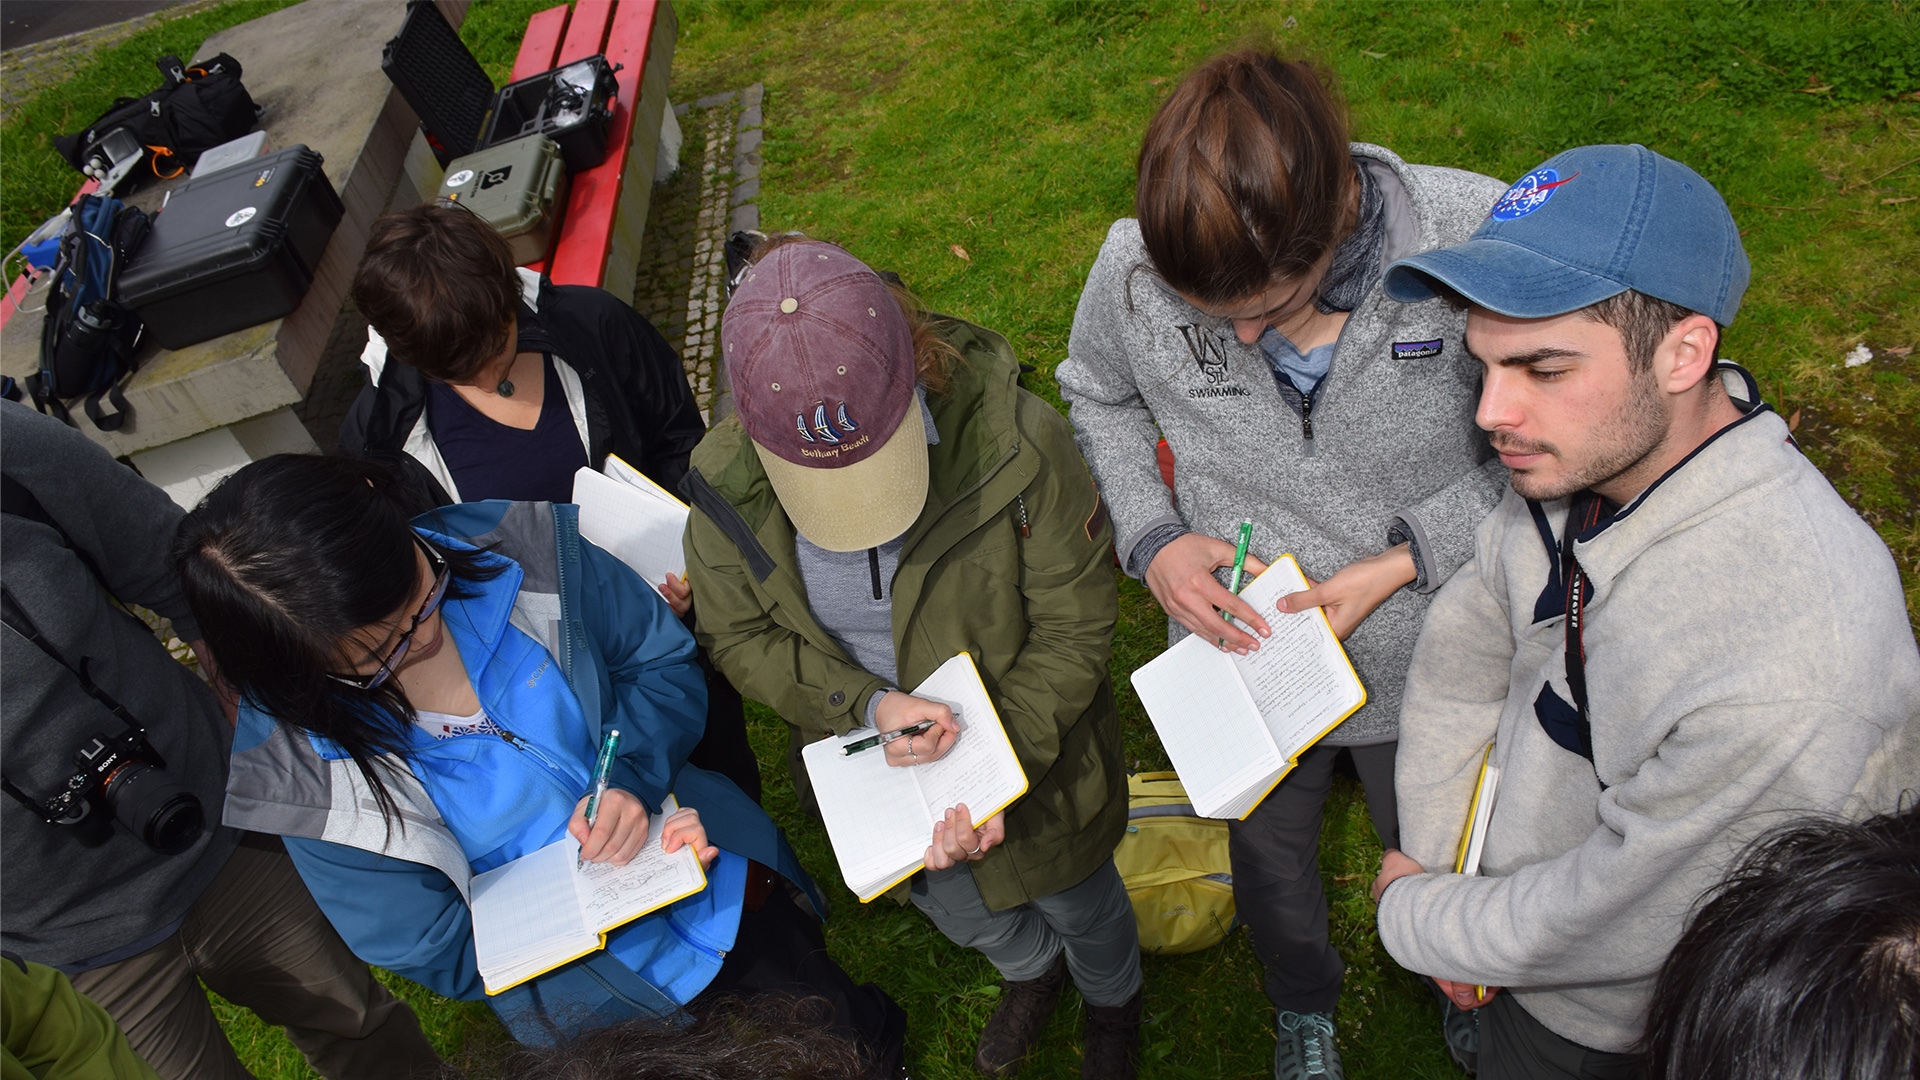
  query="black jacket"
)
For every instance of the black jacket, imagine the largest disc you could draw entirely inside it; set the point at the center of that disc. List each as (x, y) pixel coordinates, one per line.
(638, 403)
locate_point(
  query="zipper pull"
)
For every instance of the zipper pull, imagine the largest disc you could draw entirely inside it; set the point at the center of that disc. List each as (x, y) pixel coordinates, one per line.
(1025, 530)
(512, 739)
(1306, 417)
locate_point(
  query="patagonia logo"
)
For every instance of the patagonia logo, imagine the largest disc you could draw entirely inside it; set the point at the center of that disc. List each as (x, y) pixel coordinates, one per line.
(1528, 194)
(1417, 350)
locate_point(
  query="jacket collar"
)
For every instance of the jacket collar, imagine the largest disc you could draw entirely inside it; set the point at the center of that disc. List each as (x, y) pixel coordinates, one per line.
(1742, 461)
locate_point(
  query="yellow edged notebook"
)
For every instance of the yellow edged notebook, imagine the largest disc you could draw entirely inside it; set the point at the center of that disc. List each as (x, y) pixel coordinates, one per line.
(1234, 726)
(633, 518)
(1473, 836)
(880, 818)
(540, 911)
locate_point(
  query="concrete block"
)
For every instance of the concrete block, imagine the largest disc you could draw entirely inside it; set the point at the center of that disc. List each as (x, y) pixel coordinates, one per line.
(746, 191)
(750, 117)
(747, 141)
(712, 100)
(750, 97)
(745, 218)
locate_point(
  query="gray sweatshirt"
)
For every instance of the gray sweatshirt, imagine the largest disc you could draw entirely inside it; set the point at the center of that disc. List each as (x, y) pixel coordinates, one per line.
(63, 903)
(1394, 451)
(1749, 660)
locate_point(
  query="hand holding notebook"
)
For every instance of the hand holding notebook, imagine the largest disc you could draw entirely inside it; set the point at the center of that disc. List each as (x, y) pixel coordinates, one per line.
(881, 818)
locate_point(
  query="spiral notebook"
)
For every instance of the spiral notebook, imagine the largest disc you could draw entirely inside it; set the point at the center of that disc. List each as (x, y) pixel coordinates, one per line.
(633, 518)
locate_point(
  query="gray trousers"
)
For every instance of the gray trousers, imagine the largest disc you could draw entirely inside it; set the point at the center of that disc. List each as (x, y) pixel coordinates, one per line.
(1092, 922)
(257, 938)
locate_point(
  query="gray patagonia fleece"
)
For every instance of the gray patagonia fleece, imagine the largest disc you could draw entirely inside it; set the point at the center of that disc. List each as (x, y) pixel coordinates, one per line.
(1749, 662)
(1391, 451)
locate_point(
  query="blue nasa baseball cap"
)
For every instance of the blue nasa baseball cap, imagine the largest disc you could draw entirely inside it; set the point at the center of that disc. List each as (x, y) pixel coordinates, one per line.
(1588, 224)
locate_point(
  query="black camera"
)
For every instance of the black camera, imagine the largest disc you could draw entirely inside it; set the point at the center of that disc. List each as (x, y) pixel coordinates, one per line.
(125, 779)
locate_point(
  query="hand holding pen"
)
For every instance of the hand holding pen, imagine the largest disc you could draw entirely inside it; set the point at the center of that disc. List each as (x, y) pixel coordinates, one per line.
(899, 712)
(611, 825)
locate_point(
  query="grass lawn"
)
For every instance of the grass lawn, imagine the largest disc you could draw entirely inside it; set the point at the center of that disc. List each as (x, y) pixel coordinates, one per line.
(981, 150)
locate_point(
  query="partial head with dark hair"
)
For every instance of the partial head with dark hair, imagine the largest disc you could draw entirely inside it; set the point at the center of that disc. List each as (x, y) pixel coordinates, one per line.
(297, 568)
(1804, 963)
(439, 285)
(769, 1037)
(1245, 178)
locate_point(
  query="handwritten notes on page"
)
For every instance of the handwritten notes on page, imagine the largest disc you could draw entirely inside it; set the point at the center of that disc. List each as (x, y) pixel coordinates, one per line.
(540, 911)
(880, 817)
(1234, 725)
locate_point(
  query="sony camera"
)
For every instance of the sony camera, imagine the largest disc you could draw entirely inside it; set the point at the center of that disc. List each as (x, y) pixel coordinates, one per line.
(125, 779)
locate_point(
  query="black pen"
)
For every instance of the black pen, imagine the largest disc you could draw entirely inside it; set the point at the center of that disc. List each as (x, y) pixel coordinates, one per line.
(886, 737)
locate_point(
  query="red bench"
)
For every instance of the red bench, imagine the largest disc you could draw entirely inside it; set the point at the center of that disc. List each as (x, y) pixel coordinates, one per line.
(601, 207)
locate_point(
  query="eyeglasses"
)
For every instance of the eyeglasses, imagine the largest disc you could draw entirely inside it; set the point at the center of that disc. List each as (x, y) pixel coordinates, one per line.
(442, 575)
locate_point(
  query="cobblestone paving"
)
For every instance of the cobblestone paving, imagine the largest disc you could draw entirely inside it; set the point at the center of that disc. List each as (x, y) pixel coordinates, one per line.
(681, 285)
(29, 69)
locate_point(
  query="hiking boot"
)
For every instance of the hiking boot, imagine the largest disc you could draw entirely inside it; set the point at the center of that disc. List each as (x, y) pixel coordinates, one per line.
(1305, 1050)
(1462, 1029)
(1109, 1039)
(1018, 1020)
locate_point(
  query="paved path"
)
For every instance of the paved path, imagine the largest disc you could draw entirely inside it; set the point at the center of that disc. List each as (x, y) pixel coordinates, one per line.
(35, 62)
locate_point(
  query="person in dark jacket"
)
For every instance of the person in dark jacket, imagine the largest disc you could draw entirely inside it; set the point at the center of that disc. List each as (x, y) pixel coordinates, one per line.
(507, 384)
(139, 929)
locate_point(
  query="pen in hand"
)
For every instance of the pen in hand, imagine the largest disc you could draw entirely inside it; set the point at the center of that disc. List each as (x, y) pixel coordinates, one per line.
(602, 769)
(1239, 562)
(886, 737)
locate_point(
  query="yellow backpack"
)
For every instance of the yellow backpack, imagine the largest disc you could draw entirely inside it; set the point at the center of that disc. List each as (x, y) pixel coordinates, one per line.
(1174, 864)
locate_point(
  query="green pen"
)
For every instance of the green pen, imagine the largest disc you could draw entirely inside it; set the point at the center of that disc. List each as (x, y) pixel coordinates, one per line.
(1239, 561)
(602, 769)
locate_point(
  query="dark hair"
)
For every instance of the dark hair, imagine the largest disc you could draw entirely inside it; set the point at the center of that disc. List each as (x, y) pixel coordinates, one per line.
(933, 355)
(439, 284)
(1643, 322)
(1804, 963)
(771, 1037)
(1245, 176)
(281, 563)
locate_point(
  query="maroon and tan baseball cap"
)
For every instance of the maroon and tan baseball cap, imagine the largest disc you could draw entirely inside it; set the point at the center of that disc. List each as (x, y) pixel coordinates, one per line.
(821, 363)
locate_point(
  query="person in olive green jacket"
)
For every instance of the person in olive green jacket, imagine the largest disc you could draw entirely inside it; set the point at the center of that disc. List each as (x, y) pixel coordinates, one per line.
(886, 498)
(53, 1032)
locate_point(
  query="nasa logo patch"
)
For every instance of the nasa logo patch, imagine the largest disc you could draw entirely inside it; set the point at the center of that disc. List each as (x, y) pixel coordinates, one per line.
(1530, 193)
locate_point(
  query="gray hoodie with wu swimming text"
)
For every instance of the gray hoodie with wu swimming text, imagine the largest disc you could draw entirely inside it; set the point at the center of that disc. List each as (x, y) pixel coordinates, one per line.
(1748, 662)
(1394, 451)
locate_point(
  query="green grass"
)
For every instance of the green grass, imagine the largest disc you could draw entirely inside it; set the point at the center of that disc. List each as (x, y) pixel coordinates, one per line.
(1009, 129)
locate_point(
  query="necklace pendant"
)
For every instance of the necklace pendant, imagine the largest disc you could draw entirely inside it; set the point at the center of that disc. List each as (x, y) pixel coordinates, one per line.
(505, 389)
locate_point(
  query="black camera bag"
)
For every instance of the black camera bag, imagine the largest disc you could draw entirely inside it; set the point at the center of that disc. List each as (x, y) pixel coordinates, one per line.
(197, 109)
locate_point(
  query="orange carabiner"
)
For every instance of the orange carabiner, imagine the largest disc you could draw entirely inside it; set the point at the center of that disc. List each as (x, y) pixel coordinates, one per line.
(158, 153)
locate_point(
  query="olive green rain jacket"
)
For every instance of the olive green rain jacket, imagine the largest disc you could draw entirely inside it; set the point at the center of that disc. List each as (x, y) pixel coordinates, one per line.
(1036, 611)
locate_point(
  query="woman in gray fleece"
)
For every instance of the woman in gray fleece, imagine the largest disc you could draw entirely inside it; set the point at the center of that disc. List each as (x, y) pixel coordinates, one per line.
(1241, 318)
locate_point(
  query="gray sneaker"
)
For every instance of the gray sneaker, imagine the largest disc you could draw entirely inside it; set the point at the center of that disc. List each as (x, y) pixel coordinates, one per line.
(1305, 1049)
(1462, 1030)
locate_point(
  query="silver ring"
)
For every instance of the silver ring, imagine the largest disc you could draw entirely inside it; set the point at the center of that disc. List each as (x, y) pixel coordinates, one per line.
(975, 851)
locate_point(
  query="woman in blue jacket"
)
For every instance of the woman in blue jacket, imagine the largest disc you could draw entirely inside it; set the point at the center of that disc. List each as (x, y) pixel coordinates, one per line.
(424, 701)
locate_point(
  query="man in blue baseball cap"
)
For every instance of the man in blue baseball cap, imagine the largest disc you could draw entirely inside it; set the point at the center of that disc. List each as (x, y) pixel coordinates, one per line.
(1672, 634)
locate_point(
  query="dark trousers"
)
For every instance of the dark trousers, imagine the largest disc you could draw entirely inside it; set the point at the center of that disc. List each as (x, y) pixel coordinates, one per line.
(256, 937)
(724, 748)
(1276, 874)
(780, 950)
(1515, 1046)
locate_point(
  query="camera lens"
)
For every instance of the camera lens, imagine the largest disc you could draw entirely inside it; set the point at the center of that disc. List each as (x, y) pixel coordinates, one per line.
(159, 809)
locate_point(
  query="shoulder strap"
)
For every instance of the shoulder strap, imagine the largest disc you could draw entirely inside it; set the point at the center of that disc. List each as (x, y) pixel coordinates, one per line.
(1582, 514)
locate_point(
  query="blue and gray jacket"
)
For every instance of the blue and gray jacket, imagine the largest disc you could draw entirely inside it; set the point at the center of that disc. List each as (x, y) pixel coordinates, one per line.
(468, 804)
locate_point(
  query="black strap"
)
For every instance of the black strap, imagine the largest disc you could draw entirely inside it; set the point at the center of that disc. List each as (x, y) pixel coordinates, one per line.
(1582, 514)
(16, 619)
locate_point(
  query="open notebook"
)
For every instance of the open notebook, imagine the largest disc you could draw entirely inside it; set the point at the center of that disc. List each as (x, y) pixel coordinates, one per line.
(633, 518)
(880, 818)
(540, 911)
(1235, 725)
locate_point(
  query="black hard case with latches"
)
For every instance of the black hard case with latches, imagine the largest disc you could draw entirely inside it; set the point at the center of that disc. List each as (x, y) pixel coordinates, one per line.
(233, 249)
(461, 113)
